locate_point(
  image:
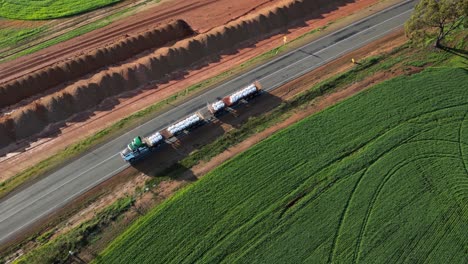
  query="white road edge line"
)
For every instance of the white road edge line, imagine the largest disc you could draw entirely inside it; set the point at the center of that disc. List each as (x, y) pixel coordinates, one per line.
(334, 57)
(359, 33)
(64, 201)
(53, 190)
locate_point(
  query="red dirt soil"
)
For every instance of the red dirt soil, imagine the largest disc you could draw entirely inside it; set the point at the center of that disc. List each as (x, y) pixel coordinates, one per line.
(39, 81)
(194, 12)
(77, 131)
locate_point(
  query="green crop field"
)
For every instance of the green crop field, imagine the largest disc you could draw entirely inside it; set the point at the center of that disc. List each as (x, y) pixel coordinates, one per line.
(48, 9)
(379, 178)
(10, 37)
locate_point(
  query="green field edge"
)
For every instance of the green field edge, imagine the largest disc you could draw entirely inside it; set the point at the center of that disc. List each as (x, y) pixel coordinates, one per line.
(31, 12)
(100, 23)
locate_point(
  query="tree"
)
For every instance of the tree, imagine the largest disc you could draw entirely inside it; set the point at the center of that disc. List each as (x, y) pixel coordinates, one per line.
(436, 19)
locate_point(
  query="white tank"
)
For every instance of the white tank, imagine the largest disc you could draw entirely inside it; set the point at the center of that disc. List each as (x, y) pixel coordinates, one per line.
(181, 125)
(218, 105)
(155, 138)
(242, 93)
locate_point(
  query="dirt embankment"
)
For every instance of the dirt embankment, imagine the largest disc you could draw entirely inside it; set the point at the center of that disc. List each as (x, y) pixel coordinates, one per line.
(14, 91)
(86, 94)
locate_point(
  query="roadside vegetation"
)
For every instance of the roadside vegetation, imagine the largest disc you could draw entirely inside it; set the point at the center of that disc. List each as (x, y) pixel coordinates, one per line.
(8, 55)
(10, 36)
(377, 178)
(58, 250)
(435, 20)
(46, 9)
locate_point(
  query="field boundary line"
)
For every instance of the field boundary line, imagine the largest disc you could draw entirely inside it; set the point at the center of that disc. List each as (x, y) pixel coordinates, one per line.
(460, 142)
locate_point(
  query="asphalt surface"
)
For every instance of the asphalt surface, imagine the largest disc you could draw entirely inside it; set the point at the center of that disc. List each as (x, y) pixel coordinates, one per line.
(36, 202)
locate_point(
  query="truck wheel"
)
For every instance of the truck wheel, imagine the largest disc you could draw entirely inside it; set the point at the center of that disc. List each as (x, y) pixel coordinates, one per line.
(132, 160)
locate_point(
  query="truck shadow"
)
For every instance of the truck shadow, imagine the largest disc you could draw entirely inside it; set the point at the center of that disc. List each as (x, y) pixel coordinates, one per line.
(175, 160)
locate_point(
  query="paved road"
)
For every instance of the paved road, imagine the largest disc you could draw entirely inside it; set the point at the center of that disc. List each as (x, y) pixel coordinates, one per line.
(60, 187)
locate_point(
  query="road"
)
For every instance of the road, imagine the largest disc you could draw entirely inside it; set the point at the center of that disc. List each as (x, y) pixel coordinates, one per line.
(36, 202)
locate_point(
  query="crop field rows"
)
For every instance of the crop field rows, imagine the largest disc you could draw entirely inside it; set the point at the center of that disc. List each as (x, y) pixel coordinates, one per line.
(48, 9)
(381, 177)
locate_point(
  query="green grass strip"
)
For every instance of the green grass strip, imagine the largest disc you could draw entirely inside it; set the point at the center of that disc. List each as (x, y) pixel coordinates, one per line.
(10, 36)
(57, 250)
(48, 9)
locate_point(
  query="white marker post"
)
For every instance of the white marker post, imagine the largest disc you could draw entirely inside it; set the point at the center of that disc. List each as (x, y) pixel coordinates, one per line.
(285, 39)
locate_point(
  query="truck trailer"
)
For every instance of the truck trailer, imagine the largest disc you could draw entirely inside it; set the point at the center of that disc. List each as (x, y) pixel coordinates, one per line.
(185, 124)
(142, 146)
(248, 92)
(245, 93)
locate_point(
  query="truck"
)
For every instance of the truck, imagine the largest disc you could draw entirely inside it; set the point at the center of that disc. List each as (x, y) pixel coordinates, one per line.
(140, 147)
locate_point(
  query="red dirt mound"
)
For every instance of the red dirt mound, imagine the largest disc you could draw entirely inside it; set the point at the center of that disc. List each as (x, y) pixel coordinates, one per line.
(86, 94)
(14, 91)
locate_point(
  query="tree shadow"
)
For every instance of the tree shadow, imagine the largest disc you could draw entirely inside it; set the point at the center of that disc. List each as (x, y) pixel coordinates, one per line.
(458, 52)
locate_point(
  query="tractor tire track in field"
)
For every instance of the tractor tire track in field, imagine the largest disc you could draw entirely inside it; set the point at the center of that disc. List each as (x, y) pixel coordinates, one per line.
(407, 141)
(377, 192)
(338, 180)
(448, 226)
(358, 244)
(303, 194)
(433, 229)
(441, 218)
(346, 209)
(427, 230)
(332, 251)
(460, 142)
(343, 213)
(356, 252)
